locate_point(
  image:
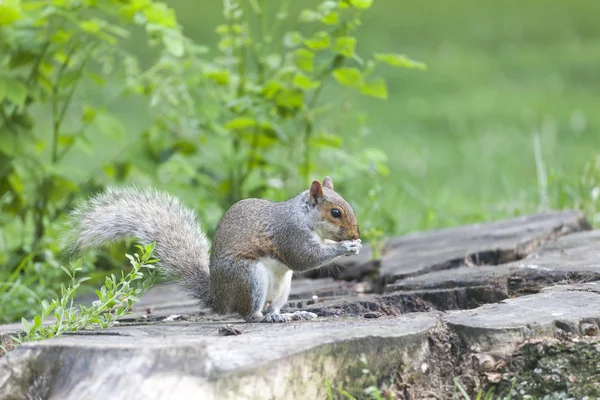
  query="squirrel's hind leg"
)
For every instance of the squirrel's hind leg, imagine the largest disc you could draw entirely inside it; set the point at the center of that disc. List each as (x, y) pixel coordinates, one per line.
(281, 293)
(269, 280)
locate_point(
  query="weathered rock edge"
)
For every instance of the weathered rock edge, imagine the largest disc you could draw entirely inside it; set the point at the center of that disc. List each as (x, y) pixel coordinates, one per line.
(287, 361)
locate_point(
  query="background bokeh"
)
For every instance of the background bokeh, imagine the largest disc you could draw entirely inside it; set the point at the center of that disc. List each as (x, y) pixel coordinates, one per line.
(504, 121)
(461, 137)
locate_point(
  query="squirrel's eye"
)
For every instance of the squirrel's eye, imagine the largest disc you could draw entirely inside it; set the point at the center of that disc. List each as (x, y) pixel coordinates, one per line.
(336, 213)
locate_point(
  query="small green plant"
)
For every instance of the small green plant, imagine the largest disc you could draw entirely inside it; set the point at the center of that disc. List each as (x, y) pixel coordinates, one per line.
(461, 393)
(372, 391)
(22, 289)
(367, 384)
(582, 194)
(115, 299)
(371, 230)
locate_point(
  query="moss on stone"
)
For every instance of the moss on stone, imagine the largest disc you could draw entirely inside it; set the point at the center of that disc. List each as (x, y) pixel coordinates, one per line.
(557, 369)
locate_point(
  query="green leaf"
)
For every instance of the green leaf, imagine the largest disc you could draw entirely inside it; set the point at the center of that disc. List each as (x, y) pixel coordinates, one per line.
(185, 146)
(351, 77)
(273, 60)
(15, 91)
(160, 14)
(222, 29)
(304, 59)
(319, 41)
(66, 270)
(173, 41)
(16, 184)
(25, 324)
(99, 79)
(376, 88)
(324, 140)
(2, 89)
(85, 145)
(399, 61)
(333, 18)
(262, 139)
(109, 126)
(220, 77)
(290, 98)
(240, 123)
(309, 16)
(10, 11)
(363, 4)
(376, 161)
(304, 82)
(91, 26)
(345, 45)
(61, 36)
(270, 89)
(89, 114)
(66, 140)
(61, 188)
(292, 39)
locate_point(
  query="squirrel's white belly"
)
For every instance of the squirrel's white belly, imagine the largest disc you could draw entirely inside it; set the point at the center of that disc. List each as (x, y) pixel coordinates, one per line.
(276, 274)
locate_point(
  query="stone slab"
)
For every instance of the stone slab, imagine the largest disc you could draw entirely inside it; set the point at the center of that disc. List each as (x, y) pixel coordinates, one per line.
(500, 327)
(571, 258)
(485, 243)
(176, 360)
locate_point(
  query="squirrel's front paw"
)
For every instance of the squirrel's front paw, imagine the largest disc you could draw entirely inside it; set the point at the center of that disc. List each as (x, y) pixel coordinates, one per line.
(351, 247)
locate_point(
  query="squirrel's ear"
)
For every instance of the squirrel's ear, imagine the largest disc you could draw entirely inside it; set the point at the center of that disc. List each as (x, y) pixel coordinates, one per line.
(316, 191)
(328, 183)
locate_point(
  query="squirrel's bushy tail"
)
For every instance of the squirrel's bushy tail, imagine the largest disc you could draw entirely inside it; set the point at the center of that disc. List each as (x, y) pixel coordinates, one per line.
(148, 216)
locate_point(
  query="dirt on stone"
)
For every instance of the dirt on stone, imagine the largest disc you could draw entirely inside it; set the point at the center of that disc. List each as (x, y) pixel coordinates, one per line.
(554, 368)
(435, 378)
(563, 367)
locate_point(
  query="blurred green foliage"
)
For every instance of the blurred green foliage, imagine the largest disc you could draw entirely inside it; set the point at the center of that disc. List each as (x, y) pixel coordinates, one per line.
(222, 101)
(244, 119)
(54, 55)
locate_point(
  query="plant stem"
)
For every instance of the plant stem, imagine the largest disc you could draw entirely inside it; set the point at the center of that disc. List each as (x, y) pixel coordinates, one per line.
(308, 130)
(262, 16)
(309, 118)
(57, 116)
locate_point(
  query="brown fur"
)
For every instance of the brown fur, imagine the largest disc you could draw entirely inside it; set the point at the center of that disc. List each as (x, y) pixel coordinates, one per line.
(347, 223)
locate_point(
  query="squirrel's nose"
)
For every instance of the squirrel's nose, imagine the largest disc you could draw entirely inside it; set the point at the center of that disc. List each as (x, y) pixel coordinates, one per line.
(356, 235)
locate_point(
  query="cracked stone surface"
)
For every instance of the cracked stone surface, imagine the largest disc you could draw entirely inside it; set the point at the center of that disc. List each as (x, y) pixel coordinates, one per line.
(490, 285)
(573, 258)
(502, 326)
(486, 243)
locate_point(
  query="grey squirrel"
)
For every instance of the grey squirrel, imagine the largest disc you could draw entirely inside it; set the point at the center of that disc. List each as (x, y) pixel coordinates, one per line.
(257, 245)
